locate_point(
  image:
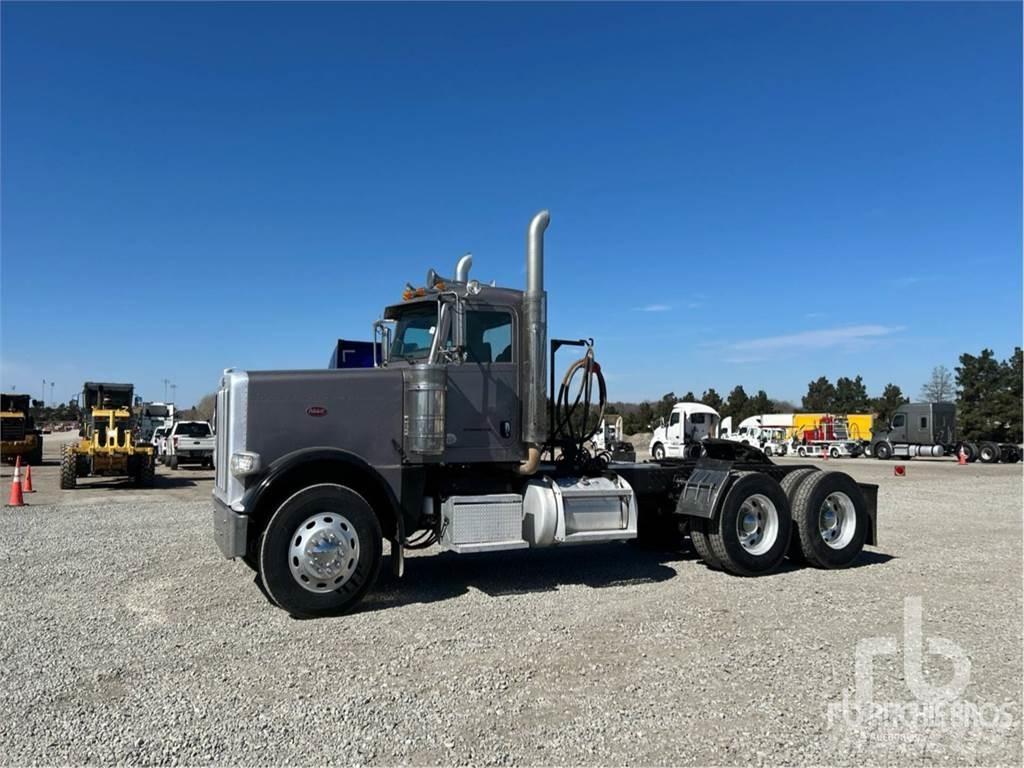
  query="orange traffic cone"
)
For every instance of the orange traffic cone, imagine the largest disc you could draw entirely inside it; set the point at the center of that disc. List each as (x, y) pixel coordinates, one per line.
(27, 485)
(16, 500)
(961, 457)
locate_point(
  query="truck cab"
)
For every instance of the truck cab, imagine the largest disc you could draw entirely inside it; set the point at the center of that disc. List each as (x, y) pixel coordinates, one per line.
(688, 425)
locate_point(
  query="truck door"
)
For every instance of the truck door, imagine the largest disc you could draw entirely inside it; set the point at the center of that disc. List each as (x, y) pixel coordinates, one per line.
(674, 435)
(483, 391)
(899, 428)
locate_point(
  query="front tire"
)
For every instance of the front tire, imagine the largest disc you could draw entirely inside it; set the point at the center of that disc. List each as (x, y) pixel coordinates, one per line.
(68, 469)
(751, 532)
(883, 451)
(172, 462)
(321, 551)
(658, 452)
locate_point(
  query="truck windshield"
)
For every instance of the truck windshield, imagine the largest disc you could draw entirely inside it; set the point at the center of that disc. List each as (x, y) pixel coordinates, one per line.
(193, 429)
(414, 333)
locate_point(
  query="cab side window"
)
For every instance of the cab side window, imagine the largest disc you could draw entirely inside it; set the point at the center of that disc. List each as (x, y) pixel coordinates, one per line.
(489, 336)
(673, 419)
(899, 420)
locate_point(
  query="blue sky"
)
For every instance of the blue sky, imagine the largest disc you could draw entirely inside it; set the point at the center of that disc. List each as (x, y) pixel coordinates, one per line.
(753, 194)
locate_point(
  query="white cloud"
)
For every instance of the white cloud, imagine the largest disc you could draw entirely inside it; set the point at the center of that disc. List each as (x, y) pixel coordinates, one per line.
(653, 308)
(853, 336)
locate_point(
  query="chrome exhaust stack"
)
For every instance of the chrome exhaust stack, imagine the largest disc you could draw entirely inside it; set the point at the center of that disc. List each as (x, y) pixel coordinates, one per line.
(462, 268)
(535, 332)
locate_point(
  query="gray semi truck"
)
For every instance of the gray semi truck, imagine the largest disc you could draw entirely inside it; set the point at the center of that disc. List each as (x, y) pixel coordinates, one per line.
(930, 430)
(456, 438)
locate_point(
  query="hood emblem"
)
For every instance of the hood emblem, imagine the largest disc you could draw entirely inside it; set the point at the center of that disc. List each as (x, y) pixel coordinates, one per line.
(316, 410)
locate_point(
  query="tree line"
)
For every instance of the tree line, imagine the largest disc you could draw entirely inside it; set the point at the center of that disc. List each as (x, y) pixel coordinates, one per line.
(989, 395)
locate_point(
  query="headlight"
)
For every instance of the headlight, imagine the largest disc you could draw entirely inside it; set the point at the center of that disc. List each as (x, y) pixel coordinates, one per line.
(244, 463)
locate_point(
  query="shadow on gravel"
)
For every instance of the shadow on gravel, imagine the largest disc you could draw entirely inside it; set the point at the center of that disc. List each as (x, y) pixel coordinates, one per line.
(448, 575)
(160, 481)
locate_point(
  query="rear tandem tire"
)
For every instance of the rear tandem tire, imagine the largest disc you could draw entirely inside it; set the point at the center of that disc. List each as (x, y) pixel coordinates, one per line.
(755, 507)
(284, 533)
(789, 484)
(988, 453)
(831, 520)
(701, 545)
(68, 469)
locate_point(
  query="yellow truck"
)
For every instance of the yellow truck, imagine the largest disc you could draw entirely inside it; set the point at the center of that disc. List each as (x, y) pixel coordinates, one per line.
(18, 433)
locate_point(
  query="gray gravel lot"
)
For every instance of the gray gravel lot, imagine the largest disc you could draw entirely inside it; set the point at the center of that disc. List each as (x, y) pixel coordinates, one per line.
(128, 639)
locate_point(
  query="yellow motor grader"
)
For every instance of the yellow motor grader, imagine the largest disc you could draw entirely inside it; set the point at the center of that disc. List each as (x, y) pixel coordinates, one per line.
(107, 446)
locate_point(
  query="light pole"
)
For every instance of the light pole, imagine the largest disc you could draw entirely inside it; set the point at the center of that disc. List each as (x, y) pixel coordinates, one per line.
(174, 388)
(166, 382)
(51, 394)
(42, 394)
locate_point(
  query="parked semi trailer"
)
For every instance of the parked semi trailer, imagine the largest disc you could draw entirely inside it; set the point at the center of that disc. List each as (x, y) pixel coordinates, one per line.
(930, 429)
(450, 439)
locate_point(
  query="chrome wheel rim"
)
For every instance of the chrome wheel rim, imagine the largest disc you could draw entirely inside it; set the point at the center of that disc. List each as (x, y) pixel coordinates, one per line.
(837, 520)
(324, 552)
(757, 524)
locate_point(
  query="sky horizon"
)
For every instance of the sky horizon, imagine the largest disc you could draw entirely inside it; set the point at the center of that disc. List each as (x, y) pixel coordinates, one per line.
(740, 194)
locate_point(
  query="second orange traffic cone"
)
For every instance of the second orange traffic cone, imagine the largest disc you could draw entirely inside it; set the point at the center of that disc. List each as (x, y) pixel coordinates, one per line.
(16, 500)
(26, 486)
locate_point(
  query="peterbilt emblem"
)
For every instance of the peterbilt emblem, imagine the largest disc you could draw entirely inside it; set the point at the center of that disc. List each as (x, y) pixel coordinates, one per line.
(316, 410)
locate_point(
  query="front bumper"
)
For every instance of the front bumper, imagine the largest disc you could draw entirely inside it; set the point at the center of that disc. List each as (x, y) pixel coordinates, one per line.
(229, 529)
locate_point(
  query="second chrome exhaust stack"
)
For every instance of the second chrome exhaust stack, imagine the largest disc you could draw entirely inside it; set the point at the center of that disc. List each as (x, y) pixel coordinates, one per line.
(535, 333)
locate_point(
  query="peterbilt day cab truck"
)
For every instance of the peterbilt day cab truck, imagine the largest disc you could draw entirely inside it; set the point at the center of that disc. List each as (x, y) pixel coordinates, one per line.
(450, 440)
(689, 424)
(930, 429)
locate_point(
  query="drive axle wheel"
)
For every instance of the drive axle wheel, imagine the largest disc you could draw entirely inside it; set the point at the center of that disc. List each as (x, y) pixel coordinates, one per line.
(68, 469)
(789, 484)
(751, 532)
(321, 551)
(830, 516)
(988, 453)
(699, 537)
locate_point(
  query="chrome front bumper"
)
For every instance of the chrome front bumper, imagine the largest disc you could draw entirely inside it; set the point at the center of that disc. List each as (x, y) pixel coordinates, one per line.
(229, 529)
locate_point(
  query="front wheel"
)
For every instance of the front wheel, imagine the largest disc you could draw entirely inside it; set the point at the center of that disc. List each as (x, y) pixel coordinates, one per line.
(883, 451)
(321, 551)
(868, 451)
(172, 462)
(658, 452)
(834, 453)
(68, 469)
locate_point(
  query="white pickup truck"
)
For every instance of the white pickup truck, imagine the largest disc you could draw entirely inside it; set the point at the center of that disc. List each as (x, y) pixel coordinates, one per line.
(190, 442)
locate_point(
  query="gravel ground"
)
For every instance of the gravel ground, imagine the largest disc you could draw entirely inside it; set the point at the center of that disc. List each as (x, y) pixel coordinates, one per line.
(128, 639)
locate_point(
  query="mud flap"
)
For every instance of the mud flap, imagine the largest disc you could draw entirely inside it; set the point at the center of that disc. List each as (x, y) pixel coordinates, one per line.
(701, 491)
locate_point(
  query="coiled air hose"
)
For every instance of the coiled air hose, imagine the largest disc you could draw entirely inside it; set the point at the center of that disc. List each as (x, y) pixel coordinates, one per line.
(572, 415)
